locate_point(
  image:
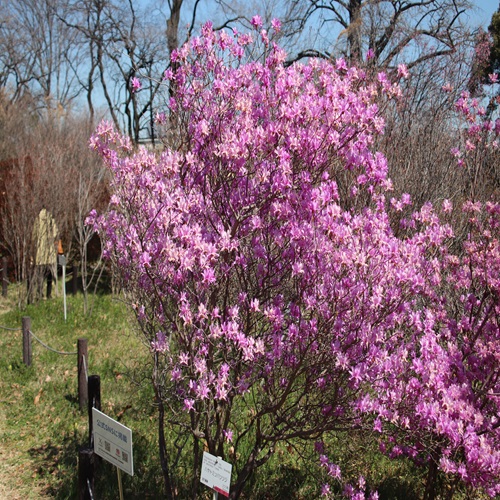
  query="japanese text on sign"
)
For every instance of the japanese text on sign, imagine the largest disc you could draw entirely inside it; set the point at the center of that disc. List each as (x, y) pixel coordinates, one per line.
(216, 474)
(113, 441)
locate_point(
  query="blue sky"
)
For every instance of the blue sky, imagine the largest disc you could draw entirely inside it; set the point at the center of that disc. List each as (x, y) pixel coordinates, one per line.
(485, 9)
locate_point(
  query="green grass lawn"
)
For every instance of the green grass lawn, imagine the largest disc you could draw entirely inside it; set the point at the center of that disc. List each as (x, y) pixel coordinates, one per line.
(41, 419)
(42, 427)
(40, 416)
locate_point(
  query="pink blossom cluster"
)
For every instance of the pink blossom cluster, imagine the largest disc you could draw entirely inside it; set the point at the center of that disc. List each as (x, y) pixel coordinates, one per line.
(255, 278)
(480, 132)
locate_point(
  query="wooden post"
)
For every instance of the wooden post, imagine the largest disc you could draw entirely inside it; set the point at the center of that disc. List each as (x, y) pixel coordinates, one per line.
(74, 279)
(63, 265)
(86, 463)
(83, 392)
(94, 402)
(5, 279)
(120, 482)
(26, 340)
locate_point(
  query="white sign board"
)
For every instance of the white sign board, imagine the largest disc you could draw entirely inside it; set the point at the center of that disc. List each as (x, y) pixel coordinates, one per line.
(113, 441)
(216, 474)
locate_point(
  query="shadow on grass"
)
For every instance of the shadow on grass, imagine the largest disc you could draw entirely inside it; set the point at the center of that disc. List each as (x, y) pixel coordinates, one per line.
(71, 398)
(397, 489)
(285, 481)
(19, 368)
(56, 465)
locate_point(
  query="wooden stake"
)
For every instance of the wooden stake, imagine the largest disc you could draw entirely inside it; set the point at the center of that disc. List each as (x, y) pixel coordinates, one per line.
(26, 322)
(82, 365)
(94, 382)
(86, 465)
(120, 486)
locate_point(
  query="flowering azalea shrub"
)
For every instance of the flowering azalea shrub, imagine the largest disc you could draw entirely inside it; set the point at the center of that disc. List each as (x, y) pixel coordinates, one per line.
(478, 156)
(274, 296)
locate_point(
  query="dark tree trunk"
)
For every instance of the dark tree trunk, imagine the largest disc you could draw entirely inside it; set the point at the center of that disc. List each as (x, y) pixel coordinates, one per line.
(432, 474)
(354, 31)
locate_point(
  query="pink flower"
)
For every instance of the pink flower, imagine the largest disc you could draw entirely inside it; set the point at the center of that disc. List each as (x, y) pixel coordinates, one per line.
(256, 21)
(208, 276)
(402, 71)
(202, 391)
(161, 118)
(406, 199)
(145, 259)
(254, 305)
(228, 435)
(447, 206)
(135, 84)
(176, 374)
(264, 37)
(334, 471)
(340, 64)
(469, 145)
(189, 404)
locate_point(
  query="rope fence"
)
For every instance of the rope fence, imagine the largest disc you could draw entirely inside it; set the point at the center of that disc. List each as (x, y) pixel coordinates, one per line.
(41, 342)
(85, 367)
(81, 353)
(90, 490)
(51, 348)
(88, 394)
(10, 329)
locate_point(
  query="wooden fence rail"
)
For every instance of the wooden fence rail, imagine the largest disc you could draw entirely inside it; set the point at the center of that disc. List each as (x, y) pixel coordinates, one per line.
(89, 396)
(81, 352)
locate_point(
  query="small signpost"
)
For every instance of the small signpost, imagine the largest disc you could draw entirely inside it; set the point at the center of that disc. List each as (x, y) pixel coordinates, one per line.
(62, 263)
(216, 474)
(113, 442)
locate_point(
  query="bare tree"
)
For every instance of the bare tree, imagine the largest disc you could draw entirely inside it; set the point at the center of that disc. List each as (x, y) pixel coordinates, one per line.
(38, 54)
(126, 41)
(90, 189)
(46, 163)
(396, 31)
(422, 131)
